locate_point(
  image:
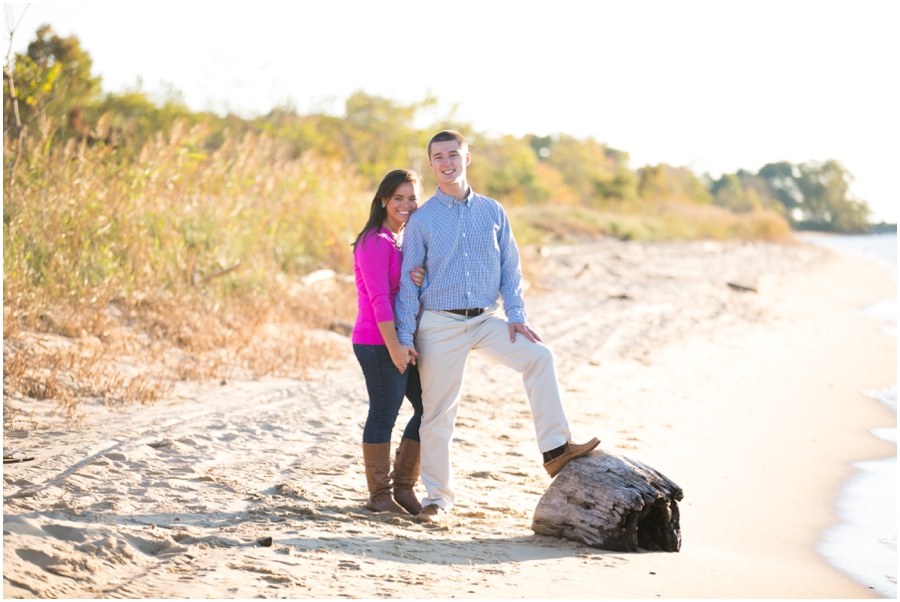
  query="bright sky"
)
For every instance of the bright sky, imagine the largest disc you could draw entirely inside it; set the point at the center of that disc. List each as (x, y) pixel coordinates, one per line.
(713, 85)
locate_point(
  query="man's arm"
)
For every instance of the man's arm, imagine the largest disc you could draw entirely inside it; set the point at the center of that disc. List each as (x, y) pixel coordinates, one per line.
(407, 306)
(510, 272)
(511, 283)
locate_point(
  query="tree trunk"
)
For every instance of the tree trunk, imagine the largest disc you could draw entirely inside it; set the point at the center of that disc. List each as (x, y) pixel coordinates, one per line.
(610, 502)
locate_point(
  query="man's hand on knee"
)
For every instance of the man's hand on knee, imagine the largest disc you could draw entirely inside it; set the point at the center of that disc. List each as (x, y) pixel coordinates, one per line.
(515, 327)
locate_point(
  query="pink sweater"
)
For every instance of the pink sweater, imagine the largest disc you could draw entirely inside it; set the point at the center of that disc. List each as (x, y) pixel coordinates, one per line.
(376, 263)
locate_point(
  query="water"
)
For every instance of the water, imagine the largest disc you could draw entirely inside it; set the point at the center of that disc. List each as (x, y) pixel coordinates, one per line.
(880, 248)
(864, 544)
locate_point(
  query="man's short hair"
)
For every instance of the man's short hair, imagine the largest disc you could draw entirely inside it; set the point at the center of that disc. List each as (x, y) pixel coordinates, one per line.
(446, 136)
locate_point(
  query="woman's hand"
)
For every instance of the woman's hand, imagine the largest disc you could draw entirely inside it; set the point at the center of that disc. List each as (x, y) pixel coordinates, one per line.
(417, 276)
(403, 355)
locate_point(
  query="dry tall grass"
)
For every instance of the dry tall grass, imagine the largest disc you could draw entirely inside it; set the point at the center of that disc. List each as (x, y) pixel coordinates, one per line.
(125, 272)
(177, 258)
(644, 221)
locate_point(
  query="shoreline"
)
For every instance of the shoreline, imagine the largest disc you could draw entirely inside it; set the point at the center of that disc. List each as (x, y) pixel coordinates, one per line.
(864, 543)
(721, 391)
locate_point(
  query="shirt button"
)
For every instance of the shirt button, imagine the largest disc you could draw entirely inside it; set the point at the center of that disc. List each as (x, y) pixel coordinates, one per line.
(464, 234)
(467, 273)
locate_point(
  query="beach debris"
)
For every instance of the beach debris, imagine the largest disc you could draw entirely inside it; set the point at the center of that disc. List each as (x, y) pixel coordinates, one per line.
(610, 502)
(342, 328)
(196, 279)
(741, 287)
(618, 297)
(265, 542)
(16, 456)
(584, 269)
(318, 276)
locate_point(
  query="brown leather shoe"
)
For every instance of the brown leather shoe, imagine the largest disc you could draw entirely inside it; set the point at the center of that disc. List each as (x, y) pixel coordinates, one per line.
(432, 513)
(377, 458)
(571, 451)
(405, 475)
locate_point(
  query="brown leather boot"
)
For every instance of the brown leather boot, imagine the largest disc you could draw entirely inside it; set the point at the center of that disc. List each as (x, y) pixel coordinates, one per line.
(377, 457)
(405, 475)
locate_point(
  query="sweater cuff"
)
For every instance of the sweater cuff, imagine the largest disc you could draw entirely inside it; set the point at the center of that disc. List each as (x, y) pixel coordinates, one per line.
(383, 312)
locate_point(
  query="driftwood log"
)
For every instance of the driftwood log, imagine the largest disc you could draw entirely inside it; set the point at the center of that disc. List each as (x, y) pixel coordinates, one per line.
(610, 502)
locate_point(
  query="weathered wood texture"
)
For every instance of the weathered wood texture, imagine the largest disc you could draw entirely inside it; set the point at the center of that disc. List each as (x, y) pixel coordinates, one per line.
(610, 502)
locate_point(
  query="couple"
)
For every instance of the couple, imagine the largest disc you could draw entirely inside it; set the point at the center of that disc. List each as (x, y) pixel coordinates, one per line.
(466, 246)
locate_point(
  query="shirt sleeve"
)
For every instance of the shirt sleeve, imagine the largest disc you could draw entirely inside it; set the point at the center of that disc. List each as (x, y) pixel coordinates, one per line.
(374, 261)
(408, 297)
(510, 272)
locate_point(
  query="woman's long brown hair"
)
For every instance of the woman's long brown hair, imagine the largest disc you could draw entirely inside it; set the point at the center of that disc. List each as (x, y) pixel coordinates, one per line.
(387, 188)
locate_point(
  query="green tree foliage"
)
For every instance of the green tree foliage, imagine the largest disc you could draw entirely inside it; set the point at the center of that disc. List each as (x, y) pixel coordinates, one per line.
(664, 182)
(781, 180)
(375, 135)
(52, 78)
(817, 196)
(55, 89)
(827, 203)
(505, 168)
(728, 192)
(758, 187)
(595, 172)
(133, 118)
(304, 133)
(379, 134)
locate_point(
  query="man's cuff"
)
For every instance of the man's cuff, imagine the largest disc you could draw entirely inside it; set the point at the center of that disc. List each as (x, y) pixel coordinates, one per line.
(405, 339)
(516, 315)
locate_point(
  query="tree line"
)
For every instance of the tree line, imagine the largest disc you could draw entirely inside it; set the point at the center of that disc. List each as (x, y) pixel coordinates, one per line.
(51, 96)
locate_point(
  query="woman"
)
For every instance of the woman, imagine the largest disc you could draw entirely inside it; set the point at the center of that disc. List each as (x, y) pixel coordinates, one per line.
(388, 366)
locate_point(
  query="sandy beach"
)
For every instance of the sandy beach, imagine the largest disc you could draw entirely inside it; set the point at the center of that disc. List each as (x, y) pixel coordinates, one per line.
(750, 401)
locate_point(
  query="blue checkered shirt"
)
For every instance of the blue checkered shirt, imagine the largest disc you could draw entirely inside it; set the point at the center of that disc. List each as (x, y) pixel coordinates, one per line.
(469, 255)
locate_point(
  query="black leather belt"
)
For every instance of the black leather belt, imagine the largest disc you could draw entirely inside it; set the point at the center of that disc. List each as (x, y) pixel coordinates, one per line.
(469, 313)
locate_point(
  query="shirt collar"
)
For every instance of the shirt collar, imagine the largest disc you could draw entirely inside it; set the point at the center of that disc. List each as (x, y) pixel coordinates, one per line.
(448, 200)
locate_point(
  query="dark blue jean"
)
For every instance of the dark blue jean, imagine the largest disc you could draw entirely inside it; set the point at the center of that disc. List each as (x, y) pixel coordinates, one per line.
(387, 387)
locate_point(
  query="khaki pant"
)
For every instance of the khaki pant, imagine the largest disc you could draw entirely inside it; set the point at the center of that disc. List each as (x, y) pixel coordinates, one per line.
(444, 341)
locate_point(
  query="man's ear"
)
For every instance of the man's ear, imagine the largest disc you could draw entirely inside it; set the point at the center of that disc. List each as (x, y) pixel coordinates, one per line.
(468, 158)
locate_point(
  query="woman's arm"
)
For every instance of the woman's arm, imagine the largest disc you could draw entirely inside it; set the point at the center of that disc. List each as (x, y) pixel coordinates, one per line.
(401, 355)
(374, 263)
(373, 257)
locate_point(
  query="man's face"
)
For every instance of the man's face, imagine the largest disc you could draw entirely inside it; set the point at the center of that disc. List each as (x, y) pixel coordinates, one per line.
(449, 162)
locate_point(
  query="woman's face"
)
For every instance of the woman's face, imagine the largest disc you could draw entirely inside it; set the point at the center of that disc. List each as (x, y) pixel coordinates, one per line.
(400, 206)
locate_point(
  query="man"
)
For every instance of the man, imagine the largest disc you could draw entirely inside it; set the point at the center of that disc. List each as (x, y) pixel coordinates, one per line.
(466, 245)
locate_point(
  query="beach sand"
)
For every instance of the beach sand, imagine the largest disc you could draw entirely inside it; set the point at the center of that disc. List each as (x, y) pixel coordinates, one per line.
(750, 401)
